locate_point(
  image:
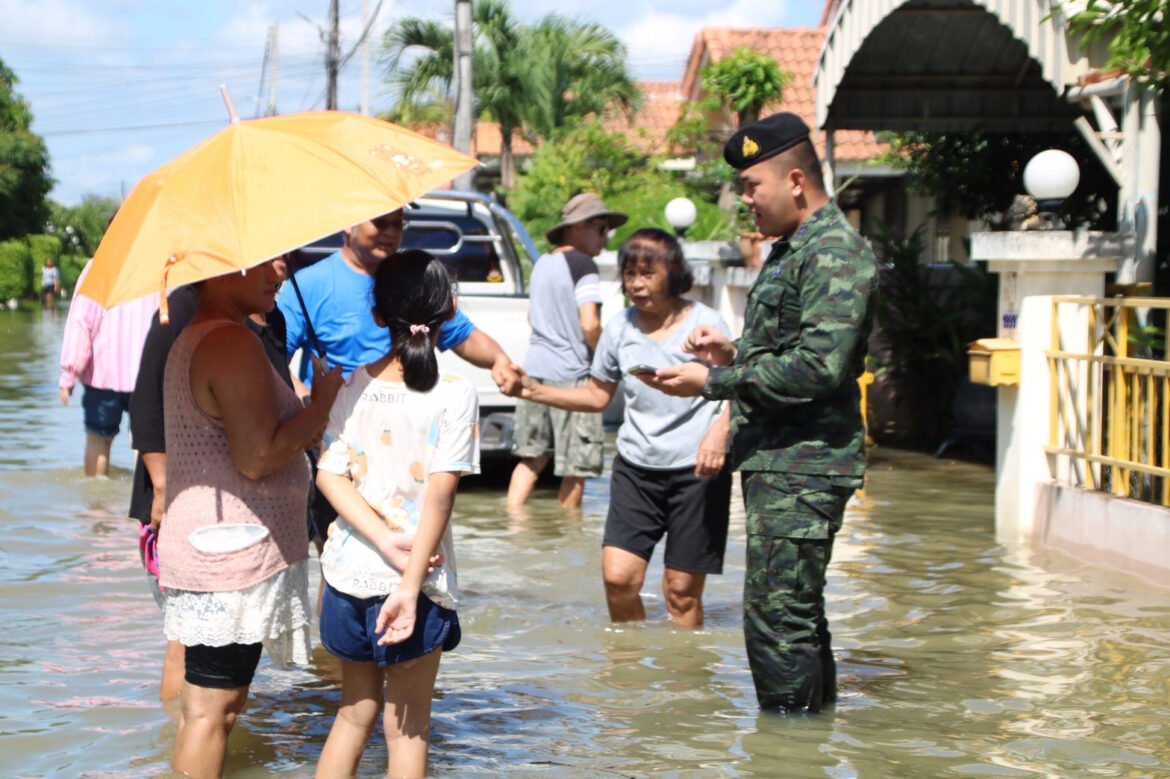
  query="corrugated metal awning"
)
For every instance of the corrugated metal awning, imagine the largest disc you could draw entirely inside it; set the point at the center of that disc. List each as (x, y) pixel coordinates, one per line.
(947, 65)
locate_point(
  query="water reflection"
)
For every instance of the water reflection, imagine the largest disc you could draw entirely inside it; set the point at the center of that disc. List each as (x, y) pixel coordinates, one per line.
(957, 655)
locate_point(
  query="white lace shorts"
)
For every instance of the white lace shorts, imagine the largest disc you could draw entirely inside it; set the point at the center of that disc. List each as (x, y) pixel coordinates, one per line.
(275, 613)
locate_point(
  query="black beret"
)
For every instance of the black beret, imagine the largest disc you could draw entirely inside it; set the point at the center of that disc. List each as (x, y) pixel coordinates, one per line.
(764, 139)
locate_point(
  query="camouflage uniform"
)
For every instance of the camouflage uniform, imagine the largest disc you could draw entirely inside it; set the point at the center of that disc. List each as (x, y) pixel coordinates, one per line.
(798, 438)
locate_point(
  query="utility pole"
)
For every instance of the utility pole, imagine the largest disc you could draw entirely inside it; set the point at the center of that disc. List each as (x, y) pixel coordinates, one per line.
(464, 93)
(272, 77)
(334, 62)
(365, 107)
(333, 57)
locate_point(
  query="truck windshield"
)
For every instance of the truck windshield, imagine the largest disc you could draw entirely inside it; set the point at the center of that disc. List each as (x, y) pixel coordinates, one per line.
(463, 243)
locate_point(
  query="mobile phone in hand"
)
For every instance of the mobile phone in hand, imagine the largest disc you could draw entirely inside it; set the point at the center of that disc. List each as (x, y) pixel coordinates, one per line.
(641, 369)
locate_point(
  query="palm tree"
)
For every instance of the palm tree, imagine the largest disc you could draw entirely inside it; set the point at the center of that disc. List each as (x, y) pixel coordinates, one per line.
(531, 80)
(578, 69)
(498, 68)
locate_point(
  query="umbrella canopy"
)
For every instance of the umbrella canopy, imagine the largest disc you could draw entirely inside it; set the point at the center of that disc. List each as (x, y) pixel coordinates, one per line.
(257, 189)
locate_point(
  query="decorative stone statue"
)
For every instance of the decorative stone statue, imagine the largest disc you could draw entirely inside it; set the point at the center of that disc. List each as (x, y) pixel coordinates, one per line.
(1024, 214)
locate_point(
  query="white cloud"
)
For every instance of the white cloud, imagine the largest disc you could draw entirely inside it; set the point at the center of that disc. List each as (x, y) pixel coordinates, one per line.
(56, 24)
(102, 173)
(659, 42)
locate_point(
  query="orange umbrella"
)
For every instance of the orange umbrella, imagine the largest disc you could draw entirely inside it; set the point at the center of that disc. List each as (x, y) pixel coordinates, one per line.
(257, 189)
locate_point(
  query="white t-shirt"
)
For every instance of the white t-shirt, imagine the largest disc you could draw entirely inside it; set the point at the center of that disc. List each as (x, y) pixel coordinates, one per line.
(388, 439)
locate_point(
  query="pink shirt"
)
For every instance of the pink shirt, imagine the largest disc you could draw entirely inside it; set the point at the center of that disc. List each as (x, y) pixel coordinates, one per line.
(102, 347)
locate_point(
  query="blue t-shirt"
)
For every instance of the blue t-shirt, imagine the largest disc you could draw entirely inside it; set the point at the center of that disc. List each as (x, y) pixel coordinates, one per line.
(339, 301)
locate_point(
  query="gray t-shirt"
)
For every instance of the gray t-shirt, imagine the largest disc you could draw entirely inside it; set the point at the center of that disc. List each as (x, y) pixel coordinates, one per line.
(560, 282)
(658, 432)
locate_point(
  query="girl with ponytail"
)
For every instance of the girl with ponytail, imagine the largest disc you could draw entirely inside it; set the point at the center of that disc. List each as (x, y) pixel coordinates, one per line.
(400, 435)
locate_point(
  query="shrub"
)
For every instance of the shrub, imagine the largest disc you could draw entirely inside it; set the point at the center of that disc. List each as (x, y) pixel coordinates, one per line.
(16, 270)
(925, 317)
(71, 265)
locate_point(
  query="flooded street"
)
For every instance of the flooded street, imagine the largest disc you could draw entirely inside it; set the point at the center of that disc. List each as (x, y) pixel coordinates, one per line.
(957, 656)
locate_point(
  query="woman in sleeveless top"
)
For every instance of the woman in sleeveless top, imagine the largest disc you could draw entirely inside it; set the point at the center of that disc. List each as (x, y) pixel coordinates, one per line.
(233, 543)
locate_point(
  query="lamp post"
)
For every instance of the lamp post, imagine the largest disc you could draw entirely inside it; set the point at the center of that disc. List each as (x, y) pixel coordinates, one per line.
(1050, 177)
(680, 214)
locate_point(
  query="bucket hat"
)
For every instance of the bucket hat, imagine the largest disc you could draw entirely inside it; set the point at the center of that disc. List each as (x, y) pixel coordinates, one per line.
(582, 208)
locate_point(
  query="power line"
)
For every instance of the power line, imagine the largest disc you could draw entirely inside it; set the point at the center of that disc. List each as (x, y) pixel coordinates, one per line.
(134, 128)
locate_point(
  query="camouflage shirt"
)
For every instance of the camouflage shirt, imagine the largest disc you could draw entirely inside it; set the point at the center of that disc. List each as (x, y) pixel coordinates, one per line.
(793, 384)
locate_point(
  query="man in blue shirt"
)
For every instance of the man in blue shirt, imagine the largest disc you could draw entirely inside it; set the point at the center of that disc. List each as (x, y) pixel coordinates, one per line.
(338, 296)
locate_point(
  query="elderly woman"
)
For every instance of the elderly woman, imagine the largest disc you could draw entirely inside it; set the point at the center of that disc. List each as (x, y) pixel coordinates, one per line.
(233, 541)
(668, 476)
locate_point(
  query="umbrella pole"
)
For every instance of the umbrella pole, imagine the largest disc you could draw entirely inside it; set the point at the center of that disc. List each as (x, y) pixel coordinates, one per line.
(308, 322)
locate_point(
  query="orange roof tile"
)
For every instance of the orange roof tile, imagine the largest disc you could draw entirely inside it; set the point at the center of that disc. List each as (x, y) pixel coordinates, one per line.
(795, 50)
(488, 141)
(661, 106)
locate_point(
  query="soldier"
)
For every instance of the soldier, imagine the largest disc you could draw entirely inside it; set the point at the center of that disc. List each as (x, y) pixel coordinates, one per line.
(797, 433)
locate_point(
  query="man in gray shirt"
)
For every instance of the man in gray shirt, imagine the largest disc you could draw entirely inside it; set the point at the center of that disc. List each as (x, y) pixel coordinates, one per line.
(565, 314)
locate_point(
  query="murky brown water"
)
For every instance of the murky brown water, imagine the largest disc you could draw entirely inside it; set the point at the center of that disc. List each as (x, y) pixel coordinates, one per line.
(957, 656)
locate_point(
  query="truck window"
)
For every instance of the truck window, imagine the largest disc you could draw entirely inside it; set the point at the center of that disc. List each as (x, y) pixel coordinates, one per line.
(463, 243)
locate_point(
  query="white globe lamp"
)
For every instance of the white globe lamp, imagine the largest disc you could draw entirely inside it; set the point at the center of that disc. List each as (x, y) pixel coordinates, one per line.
(1050, 177)
(680, 214)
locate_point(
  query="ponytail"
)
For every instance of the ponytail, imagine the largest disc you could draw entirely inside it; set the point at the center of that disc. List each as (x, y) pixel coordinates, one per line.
(413, 295)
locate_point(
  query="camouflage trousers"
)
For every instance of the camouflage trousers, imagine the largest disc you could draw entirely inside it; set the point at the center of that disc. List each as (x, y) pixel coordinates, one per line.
(791, 522)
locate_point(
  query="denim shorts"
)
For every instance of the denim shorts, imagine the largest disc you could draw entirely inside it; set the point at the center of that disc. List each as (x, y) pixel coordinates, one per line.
(103, 410)
(347, 629)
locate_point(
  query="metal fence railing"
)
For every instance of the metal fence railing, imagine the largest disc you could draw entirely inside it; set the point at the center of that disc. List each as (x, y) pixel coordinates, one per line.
(1109, 427)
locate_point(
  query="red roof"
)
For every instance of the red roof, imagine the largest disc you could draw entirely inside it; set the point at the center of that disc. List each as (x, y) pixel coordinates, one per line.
(796, 50)
(662, 103)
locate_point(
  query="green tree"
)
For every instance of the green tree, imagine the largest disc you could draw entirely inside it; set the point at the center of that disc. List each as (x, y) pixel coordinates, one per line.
(977, 174)
(24, 165)
(925, 318)
(530, 80)
(498, 67)
(746, 81)
(585, 158)
(1138, 34)
(576, 70)
(81, 227)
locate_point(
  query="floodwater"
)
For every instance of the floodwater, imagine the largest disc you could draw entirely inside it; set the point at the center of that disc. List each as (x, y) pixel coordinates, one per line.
(958, 656)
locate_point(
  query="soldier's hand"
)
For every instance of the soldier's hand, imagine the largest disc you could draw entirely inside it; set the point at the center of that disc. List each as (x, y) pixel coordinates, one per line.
(709, 345)
(684, 381)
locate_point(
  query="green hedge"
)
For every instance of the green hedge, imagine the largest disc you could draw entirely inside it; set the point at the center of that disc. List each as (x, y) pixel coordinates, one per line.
(16, 270)
(70, 265)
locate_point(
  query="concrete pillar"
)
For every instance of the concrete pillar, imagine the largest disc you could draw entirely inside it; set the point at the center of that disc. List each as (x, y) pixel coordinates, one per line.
(1034, 267)
(1140, 169)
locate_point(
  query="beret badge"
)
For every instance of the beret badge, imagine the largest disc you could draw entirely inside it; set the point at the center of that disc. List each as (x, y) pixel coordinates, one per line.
(750, 147)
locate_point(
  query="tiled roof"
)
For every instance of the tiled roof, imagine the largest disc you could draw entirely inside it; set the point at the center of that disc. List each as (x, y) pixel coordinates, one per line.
(796, 50)
(488, 140)
(661, 107)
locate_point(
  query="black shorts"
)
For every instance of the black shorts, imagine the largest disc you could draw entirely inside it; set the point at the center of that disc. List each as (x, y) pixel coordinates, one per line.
(222, 667)
(691, 512)
(320, 511)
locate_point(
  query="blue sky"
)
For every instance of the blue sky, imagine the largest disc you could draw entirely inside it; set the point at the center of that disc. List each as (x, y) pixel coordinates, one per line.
(118, 87)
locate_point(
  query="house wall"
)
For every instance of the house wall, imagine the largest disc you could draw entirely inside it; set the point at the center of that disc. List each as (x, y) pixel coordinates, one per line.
(1099, 528)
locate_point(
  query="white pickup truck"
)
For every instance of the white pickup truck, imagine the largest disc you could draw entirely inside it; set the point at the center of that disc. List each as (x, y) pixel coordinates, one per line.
(482, 244)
